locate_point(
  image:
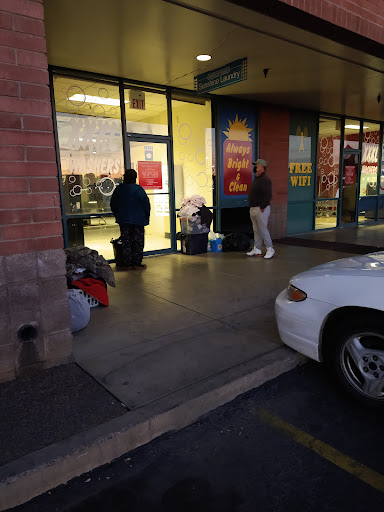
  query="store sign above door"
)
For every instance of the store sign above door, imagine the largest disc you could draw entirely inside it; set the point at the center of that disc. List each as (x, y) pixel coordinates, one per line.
(226, 75)
(136, 99)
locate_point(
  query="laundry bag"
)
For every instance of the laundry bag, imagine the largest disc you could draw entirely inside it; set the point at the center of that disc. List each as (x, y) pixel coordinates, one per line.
(79, 309)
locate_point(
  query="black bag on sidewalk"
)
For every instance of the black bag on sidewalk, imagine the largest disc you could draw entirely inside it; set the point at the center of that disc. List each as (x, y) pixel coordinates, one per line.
(236, 242)
(118, 251)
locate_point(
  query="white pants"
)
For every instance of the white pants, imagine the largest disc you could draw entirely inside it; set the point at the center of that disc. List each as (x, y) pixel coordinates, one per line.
(260, 226)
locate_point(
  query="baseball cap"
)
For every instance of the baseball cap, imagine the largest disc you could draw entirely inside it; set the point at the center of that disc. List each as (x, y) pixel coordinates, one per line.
(260, 161)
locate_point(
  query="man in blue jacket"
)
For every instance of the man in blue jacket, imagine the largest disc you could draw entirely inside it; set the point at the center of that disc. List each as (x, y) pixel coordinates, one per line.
(131, 208)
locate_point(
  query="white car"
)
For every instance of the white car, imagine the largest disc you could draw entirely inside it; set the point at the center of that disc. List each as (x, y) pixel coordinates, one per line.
(335, 313)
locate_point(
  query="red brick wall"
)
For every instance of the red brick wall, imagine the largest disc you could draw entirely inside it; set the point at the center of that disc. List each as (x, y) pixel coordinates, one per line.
(30, 218)
(274, 147)
(33, 286)
(365, 17)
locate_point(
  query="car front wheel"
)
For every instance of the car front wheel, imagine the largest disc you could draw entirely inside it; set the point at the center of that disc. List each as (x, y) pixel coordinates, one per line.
(356, 355)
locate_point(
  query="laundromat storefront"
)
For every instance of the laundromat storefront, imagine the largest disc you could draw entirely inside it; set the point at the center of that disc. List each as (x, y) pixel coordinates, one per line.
(335, 172)
(106, 126)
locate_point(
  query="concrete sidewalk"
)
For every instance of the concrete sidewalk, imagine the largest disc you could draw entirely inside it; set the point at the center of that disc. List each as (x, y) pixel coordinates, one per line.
(179, 339)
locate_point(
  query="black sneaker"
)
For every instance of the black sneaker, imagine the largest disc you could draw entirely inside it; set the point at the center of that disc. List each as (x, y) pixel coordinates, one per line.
(140, 267)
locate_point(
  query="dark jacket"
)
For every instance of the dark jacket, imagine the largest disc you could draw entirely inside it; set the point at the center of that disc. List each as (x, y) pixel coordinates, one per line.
(130, 204)
(260, 192)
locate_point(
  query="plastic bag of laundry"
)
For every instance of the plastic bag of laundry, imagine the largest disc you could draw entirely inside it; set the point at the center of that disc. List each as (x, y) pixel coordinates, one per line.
(79, 309)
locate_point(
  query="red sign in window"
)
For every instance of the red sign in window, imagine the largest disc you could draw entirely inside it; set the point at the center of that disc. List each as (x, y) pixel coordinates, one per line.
(349, 174)
(237, 167)
(150, 176)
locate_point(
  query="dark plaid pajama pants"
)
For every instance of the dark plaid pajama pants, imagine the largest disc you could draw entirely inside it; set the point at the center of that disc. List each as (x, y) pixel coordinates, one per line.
(132, 238)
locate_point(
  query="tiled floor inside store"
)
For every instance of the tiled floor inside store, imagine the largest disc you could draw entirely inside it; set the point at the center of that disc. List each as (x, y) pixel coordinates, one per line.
(98, 236)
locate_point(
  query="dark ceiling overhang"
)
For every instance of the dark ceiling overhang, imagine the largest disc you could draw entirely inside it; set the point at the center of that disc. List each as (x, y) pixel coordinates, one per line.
(310, 65)
(306, 21)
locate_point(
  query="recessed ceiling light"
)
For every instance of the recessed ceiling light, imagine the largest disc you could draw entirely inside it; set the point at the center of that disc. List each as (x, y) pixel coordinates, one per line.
(95, 99)
(203, 57)
(355, 126)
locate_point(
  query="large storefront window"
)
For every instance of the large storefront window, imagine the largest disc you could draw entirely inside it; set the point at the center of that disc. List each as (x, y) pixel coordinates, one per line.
(352, 134)
(326, 214)
(91, 154)
(193, 144)
(369, 172)
(351, 194)
(145, 112)
(327, 187)
(93, 150)
(381, 187)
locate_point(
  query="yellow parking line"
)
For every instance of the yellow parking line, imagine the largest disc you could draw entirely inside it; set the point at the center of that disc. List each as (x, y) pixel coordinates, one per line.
(367, 475)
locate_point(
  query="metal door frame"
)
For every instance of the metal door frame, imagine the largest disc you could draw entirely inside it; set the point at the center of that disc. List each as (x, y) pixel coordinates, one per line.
(341, 175)
(158, 139)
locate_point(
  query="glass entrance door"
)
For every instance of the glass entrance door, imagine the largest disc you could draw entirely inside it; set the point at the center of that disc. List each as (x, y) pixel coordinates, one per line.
(150, 161)
(349, 188)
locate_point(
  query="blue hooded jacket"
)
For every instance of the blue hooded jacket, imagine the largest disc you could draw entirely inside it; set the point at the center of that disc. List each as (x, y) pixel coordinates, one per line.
(130, 204)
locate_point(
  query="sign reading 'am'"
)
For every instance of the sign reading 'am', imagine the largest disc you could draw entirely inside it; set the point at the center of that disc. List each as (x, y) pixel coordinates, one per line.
(226, 75)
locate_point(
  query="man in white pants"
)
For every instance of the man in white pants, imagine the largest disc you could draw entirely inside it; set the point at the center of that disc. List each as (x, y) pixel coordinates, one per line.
(259, 199)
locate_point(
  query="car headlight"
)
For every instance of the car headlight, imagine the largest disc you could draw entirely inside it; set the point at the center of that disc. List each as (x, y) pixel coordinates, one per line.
(295, 294)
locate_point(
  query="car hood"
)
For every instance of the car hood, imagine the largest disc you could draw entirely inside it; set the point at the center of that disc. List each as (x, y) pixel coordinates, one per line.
(344, 282)
(365, 265)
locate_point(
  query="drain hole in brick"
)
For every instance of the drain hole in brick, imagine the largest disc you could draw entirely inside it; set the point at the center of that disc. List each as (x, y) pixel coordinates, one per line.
(27, 333)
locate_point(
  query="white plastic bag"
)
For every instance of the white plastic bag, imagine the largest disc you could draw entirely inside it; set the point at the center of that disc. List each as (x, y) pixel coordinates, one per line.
(79, 309)
(211, 236)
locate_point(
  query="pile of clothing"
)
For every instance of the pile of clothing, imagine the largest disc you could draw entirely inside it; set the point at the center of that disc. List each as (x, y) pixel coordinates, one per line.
(193, 209)
(88, 271)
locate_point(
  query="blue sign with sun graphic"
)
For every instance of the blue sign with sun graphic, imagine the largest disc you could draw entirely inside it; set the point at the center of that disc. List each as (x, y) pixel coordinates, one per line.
(237, 135)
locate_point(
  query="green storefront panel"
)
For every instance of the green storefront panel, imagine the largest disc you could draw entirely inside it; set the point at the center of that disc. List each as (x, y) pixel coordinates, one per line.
(299, 218)
(301, 171)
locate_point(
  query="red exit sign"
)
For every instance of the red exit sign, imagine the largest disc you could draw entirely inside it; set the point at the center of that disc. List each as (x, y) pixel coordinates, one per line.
(136, 99)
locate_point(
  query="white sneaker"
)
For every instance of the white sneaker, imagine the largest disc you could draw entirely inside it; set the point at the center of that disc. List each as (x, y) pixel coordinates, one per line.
(254, 252)
(269, 254)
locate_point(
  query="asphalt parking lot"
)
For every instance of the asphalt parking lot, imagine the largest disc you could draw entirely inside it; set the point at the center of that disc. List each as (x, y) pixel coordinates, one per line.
(295, 443)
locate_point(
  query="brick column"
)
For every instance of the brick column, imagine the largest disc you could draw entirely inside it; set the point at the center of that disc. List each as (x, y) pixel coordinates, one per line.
(274, 148)
(32, 260)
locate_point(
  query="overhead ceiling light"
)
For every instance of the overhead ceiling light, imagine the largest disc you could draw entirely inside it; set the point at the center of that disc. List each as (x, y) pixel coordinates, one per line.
(354, 126)
(95, 99)
(203, 57)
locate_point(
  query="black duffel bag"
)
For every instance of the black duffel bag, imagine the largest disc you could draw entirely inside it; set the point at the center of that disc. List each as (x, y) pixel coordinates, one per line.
(236, 242)
(118, 251)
